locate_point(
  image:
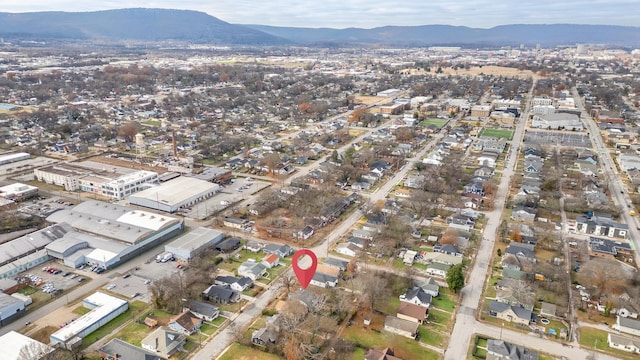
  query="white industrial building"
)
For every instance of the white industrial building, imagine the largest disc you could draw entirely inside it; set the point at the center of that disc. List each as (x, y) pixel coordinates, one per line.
(190, 244)
(28, 251)
(13, 343)
(18, 191)
(544, 109)
(557, 121)
(104, 308)
(15, 157)
(108, 234)
(176, 194)
(10, 307)
(115, 183)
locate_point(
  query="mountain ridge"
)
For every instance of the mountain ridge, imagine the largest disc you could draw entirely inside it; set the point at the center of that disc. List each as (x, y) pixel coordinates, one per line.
(161, 25)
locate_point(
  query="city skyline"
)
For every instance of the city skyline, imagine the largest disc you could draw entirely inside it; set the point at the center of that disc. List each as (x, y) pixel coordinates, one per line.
(372, 13)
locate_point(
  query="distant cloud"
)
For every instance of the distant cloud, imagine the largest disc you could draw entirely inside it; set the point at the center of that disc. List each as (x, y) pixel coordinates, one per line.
(372, 13)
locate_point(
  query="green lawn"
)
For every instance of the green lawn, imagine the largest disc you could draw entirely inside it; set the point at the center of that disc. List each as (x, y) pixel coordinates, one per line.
(388, 306)
(437, 122)
(358, 354)
(403, 348)
(238, 258)
(241, 352)
(443, 302)
(133, 333)
(428, 336)
(497, 133)
(81, 310)
(439, 317)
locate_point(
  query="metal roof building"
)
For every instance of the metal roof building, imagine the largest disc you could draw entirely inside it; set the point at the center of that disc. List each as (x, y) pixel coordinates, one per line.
(108, 234)
(13, 342)
(188, 245)
(104, 308)
(173, 195)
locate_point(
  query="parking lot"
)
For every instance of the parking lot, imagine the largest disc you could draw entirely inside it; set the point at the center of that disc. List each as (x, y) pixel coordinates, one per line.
(52, 277)
(563, 138)
(134, 285)
(229, 194)
(43, 206)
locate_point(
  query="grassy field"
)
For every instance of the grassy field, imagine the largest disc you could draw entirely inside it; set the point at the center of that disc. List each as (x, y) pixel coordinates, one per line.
(428, 336)
(81, 310)
(241, 352)
(403, 347)
(437, 122)
(497, 133)
(133, 333)
(443, 302)
(593, 338)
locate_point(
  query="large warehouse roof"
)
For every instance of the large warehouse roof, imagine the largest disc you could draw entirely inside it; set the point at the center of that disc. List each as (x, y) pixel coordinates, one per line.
(113, 221)
(105, 305)
(12, 343)
(31, 242)
(195, 239)
(174, 192)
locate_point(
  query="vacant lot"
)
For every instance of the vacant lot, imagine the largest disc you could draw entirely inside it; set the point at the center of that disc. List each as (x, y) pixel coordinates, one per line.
(497, 133)
(487, 70)
(368, 100)
(241, 352)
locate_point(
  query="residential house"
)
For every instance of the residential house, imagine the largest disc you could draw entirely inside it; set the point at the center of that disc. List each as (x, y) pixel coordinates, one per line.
(280, 250)
(548, 309)
(488, 158)
(359, 242)
(502, 350)
(448, 249)
(412, 312)
(185, 323)
(601, 225)
(440, 258)
(627, 325)
(118, 349)
(521, 251)
(385, 354)
(483, 171)
(509, 296)
(252, 269)
(415, 181)
(438, 269)
(623, 343)
(347, 249)
(363, 234)
(363, 185)
(253, 246)
(475, 187)
(428, 285)
(228, 245)
(164, 341)
(418, 296)
(220, 294)
(324, 280)
(264, 336)
(533, 165)
(523, 214)
(510, 313)
(409, 257)
(401, 327)
(235, 283)
(271, 260)
(204, 311)
(336, 263)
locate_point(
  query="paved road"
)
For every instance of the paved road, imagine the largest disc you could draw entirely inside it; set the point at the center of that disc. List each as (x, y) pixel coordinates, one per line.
(216, 346)
(470, 294)
(76, 294)
(613, 178)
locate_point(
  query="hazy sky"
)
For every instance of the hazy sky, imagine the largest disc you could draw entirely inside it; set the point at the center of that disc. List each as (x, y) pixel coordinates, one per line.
(372, 13)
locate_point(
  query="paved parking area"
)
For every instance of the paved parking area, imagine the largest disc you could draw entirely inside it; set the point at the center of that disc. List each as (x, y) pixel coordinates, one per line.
(239, 190)
(132, 287)
(562, 138)
(58, 281)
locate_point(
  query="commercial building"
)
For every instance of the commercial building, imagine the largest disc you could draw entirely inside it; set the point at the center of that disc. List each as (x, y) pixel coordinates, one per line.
(15, 157)
(10, 307)
(13, 343)
(104, 308)
(190, 244)
(557, 121)
(28, 251)
(18, 191)
(176, 194)
(115, 183)
(107, 234)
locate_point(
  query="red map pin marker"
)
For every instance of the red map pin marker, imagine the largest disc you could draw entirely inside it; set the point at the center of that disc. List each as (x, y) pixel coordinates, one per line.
(304, 275)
